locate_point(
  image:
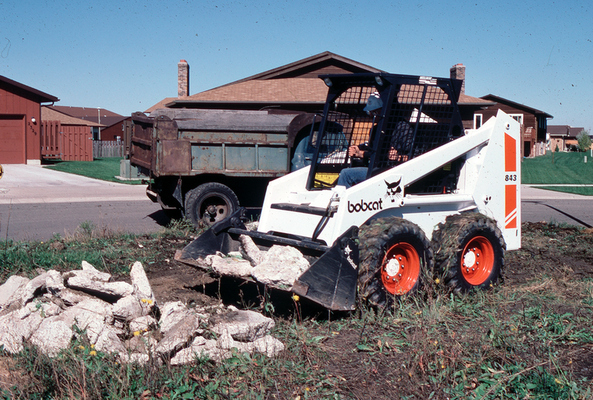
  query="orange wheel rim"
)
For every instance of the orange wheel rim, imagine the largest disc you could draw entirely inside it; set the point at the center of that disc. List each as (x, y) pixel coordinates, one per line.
(400, 268)
(477, 260)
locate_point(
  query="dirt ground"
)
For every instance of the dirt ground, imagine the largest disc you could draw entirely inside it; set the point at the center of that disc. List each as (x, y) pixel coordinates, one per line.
(551, 259)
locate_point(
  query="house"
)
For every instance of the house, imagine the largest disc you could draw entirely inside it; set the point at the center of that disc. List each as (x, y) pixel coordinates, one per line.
(563, 137)
(101, 116)
(115, 131)
(534, 123)
(65, 137)
(295, 86)
(20, 122)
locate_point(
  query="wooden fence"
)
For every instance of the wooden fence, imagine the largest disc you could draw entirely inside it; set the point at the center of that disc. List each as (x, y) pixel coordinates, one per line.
(66, 142)
(108, 149)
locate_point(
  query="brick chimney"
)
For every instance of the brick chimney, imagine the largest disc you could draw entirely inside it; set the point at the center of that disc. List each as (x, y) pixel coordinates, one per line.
(458, 72)
(182, 78)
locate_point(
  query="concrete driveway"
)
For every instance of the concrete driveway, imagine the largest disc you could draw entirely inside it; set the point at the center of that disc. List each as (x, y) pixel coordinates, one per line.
(35, 184)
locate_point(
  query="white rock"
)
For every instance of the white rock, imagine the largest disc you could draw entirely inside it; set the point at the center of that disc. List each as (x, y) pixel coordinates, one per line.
(52, 336)
(171, 314)
(11, 290)
(127, 308)
(179, 336)
(141, 344)
(250, 250)
(100, 288)
(268, 345)
(54, 282)
(142, 324)
(33, 287)
(109, 341)
(71, 297)
(140, 283)
(281, 267)
(242, 325)
(16, 327)
(231, 266)
(94, 274)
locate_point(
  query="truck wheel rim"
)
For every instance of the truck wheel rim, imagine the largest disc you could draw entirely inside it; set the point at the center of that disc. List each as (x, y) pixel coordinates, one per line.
(400, 268)
(213, 210)
(477, 260)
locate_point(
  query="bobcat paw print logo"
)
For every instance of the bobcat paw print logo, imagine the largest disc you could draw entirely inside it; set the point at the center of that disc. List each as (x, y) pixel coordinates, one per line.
(394, 190)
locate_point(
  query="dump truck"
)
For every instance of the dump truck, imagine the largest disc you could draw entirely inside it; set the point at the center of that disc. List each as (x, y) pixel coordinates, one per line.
(433, 200)
(203, 164)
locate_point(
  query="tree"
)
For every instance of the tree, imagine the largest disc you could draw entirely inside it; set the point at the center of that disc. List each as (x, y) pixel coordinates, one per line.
(584, 140)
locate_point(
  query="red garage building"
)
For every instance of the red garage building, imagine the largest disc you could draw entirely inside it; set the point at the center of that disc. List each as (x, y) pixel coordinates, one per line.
(20, 122)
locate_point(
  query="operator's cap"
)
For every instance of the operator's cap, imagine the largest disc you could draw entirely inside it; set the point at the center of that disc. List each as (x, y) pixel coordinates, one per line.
(374, 102)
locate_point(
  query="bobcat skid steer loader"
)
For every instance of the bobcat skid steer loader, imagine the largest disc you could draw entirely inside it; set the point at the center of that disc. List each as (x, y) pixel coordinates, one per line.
(395, 191)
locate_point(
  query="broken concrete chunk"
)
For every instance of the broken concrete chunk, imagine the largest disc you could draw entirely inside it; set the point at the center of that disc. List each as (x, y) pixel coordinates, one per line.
(33, 287)
(109, 341)
(54, 283)
(11, 290)
(142, 288)
(231, 266)
(94, 274)
(179, 336)
(127, 308)
(250, 250)
(52, 336)
(242, 325)
(17, 327)
(281, 266)
(142, 324)
(171, 314)
(108, 290)
(71, 297)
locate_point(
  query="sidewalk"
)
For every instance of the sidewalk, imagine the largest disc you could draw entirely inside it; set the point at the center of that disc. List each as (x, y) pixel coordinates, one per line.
(21, 184)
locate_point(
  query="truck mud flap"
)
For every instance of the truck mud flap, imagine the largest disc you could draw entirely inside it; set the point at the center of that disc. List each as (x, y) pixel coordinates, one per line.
(332, 279)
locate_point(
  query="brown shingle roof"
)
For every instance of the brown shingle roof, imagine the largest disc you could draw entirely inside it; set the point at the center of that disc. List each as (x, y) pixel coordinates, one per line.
(49, 114)
(288, 90)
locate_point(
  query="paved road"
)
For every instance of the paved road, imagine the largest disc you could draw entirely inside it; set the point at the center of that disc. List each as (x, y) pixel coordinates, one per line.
(36, 203)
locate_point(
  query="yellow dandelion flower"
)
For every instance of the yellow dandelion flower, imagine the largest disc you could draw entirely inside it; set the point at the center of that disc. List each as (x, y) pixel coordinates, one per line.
(93, 353)
(136, 333)
(296, 297)
(81, 347)
(437, 281)
(92, 346)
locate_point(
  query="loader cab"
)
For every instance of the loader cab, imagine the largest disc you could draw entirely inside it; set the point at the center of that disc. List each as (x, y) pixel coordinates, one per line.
(417, 115)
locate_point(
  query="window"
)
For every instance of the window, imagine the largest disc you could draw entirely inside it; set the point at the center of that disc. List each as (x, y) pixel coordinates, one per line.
(517, 117)
(477, 121)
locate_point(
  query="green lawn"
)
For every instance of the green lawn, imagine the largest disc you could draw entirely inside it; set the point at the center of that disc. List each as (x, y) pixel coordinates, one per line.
(101, 168)
(558, 168)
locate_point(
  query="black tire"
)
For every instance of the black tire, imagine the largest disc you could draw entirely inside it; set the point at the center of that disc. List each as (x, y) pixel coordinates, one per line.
(469, 252)
(210, 203)
(386, 245)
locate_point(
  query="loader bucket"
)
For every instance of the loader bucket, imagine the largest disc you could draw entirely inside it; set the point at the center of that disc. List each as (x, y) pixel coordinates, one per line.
(330, 281)
(216, 239)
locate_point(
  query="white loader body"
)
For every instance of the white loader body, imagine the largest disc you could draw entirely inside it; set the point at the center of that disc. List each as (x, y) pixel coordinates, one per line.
(489, 183)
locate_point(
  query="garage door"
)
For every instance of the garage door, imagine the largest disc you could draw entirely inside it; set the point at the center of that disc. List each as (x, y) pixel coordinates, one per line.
(12, 140)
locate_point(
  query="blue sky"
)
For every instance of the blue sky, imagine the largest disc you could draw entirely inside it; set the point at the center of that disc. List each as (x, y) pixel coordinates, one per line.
(122, 55)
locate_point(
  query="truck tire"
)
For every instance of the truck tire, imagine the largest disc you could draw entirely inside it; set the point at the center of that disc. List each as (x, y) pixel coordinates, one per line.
(394, 255)
(210, 203)
(469, 252)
